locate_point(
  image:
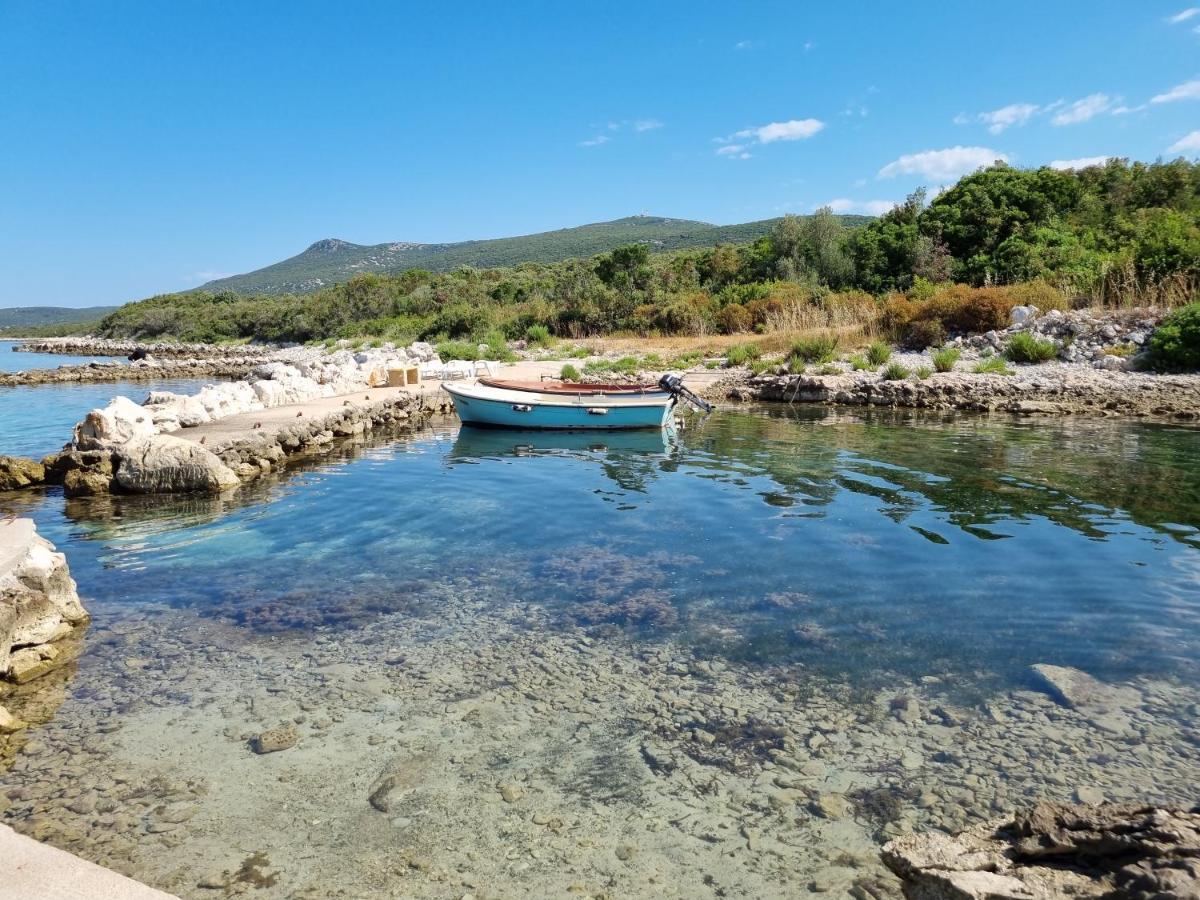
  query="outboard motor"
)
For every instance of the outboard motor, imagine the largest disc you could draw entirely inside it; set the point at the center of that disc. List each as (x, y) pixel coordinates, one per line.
(673, 384)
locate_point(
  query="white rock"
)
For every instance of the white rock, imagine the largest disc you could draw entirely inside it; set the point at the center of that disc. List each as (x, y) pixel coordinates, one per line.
(165, 464)
(1022, 314)
(120, 421)
(38, 600)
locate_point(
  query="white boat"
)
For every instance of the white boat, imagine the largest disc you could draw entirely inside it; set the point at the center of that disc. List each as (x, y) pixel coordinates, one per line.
(504, 403)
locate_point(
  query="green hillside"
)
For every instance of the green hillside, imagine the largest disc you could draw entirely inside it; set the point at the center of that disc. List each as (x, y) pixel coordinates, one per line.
(332, 261)
(35, 316)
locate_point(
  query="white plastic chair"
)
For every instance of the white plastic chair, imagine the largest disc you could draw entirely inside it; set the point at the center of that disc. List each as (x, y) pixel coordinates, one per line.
(486, 367)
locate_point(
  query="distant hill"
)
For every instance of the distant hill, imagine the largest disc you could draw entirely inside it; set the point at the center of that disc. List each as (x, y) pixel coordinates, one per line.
(39, 316)
(331, 261)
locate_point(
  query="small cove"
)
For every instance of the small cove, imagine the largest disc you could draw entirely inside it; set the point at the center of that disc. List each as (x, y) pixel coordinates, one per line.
(568, 616)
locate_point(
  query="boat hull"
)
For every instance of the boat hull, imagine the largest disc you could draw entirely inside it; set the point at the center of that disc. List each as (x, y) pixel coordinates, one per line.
(492, 408)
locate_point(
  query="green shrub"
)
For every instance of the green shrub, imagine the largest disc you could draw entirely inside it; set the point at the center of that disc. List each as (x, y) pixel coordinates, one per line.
(858, 362)
(993, 365)
(818, 349)
(1023, 347)
(1175, 344)
(829, 369)
(878, 353)
(449, 350)
(741, 354)
(944, 359)
(626, 365)
(894, 372)
(758, 366)
(796, 365)
(538, 336)
(569, 373)
(923, 372)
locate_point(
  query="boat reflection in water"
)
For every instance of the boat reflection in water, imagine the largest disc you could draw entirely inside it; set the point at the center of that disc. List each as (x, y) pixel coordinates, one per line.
(630, 458)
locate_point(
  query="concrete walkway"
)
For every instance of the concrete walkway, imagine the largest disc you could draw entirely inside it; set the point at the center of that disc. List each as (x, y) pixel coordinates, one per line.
(33, 871)
(269, 422)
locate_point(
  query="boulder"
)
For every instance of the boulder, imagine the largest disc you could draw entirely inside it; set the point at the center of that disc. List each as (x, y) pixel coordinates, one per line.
(58, 465)
(165, 464)
(38, 600)
(86, 483)
(1022, 314)
(122, 420)
(18, 472)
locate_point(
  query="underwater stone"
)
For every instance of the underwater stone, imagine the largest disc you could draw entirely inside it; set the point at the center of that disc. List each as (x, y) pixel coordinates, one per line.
(275, 739)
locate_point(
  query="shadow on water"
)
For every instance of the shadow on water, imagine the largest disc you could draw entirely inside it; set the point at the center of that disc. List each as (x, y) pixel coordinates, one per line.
(865, 543)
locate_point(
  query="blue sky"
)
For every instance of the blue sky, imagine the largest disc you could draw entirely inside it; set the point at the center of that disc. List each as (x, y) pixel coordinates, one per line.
(148, 147)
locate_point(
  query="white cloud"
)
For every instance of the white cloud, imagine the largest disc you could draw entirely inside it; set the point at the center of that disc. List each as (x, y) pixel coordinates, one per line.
(1081, 163)
(647, 124)
(808, 45)
(1082, 110)
(1184, 15)
(1187, 142)
(869, 207)
(743, 45)
(596, 141)
(791, 130)
(1007, 116)
(942, 165)
(1189, 90)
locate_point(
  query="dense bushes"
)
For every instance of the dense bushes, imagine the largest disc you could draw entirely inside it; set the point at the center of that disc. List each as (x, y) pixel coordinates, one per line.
(1001, 237)
(1175, 344)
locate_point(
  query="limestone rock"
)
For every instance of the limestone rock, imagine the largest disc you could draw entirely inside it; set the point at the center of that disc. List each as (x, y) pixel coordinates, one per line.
(164, 464)
(121, 421)
(18, 472)
(8, 722)
(38, 600)
(1056, 851)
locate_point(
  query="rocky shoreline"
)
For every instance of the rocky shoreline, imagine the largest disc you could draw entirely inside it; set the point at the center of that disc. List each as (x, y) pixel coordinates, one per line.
(92, 346)
(1051, 389)
(141, 370)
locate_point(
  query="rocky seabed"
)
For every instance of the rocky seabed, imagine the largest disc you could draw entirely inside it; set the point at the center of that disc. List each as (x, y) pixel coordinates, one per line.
(454, 748)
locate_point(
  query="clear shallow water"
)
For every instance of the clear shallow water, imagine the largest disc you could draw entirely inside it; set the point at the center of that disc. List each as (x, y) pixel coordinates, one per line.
(23, 362)
(549, 665)
(862, 544)
(37, 419)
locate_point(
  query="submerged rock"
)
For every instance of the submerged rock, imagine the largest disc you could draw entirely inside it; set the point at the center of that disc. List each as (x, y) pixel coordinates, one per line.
(38, 601)
(1106, 706)
(275, 739)
(1055, 851)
